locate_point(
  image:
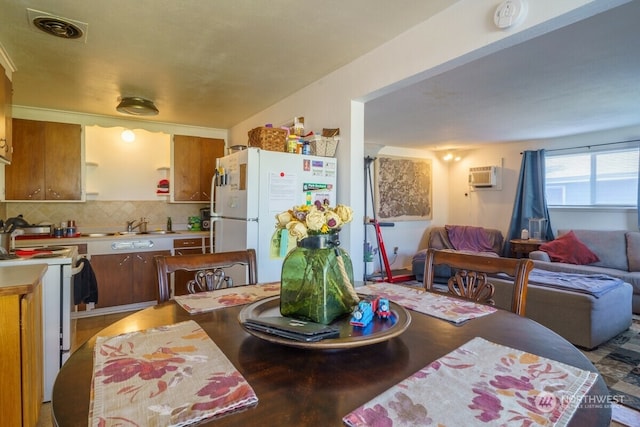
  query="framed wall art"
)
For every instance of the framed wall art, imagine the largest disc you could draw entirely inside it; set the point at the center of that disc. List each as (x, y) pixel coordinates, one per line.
(403, 189)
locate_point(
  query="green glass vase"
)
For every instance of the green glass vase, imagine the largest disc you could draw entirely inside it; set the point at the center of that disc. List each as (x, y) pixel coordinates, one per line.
(313, 286)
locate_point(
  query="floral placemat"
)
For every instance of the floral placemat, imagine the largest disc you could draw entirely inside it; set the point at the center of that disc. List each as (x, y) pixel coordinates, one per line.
(167, 376)
(211, 300)
(454, 310)
(481, 383)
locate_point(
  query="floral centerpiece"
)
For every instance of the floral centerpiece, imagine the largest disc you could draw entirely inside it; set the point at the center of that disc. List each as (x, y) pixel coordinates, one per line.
(317, 275)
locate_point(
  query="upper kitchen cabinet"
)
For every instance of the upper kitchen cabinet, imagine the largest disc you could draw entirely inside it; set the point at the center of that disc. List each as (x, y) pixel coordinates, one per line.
(6, 92)
(194, 162)
(46, 162)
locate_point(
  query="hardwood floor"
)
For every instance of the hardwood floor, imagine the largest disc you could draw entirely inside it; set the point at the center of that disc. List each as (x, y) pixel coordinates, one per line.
(87, 327)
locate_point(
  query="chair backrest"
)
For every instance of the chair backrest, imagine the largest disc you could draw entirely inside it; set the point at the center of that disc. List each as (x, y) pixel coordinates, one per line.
(470, 278)
(209, 270)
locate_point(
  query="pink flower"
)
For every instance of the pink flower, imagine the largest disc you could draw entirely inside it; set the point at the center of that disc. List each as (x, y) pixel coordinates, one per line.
(507, 382)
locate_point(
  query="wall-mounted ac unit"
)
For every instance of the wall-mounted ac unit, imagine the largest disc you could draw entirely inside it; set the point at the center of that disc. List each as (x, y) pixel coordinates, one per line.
(483, 176)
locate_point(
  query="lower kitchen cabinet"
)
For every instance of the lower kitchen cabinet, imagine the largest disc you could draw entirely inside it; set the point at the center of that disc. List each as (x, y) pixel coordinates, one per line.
(196, 245)
(126, 278)
(21, 381)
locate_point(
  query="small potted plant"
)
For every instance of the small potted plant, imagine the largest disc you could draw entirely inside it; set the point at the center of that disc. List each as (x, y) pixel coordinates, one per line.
(368, 254)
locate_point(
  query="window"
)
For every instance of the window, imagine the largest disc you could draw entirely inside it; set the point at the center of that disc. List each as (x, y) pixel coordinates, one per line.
(593, 178)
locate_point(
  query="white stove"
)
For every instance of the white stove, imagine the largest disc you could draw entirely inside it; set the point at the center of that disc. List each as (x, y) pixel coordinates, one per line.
(57, 295)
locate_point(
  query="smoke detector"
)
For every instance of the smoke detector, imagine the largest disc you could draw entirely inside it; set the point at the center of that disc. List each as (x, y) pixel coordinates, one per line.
(57, 26)
(136, 106)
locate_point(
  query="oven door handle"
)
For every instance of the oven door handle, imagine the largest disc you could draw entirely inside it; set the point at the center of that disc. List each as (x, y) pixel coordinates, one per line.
(76, 270)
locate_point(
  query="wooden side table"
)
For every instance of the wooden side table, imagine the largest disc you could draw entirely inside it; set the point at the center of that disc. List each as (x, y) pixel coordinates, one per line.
(521, 247)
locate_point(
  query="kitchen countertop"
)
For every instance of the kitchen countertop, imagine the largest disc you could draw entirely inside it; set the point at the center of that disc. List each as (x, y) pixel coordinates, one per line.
(20, 280)
(65, 241)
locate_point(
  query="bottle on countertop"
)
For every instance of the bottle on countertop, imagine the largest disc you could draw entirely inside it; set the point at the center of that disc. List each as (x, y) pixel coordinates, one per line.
(169, 224)
(524, 234)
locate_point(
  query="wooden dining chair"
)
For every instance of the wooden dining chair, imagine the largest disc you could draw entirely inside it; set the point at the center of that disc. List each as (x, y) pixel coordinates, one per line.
(208, 269)
(470, 276)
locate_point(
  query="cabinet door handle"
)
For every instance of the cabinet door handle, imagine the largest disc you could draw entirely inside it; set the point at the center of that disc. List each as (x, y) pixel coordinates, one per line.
(141, 258)
(204, 193)
(55, 193)
(125, 260)
(33, 193)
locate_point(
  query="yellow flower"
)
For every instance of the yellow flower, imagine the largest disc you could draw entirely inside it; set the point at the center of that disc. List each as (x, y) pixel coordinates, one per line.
(345, 213)
(297, 229)
(282, 219)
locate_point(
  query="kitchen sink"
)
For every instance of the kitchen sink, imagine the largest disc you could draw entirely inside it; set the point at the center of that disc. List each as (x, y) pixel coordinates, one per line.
(97, 234)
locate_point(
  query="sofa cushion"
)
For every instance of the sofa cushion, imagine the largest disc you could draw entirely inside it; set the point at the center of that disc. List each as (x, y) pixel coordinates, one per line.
(633, 250)
(609, 245)
(630, 277)
(568, 248)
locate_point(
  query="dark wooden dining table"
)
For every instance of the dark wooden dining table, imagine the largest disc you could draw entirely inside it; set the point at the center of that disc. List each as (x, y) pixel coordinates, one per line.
(310, 387)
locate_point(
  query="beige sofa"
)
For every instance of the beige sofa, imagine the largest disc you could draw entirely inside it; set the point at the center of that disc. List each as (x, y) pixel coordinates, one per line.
(584, 320)
(618, 251)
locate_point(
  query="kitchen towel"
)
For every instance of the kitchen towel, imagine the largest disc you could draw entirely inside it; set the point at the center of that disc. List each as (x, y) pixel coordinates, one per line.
(211, 300)
(454, 310)
(481, 383)
(167, 376)
(85, 284)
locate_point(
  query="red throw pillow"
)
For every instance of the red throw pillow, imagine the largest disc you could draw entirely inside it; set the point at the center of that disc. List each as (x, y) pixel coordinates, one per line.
(567, 248)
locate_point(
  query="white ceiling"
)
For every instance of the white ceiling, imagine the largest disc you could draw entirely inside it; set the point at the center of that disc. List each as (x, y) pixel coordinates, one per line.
(216, 63)
(581, 78)
(210, 63)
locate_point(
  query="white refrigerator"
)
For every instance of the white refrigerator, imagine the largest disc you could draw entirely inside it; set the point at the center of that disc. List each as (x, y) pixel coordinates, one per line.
(251, 187)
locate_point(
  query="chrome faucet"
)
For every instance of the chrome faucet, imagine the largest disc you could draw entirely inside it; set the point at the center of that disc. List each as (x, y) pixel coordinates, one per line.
(142, 224)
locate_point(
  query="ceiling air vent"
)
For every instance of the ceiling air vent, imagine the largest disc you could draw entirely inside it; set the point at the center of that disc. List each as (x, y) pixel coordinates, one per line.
(57, 26)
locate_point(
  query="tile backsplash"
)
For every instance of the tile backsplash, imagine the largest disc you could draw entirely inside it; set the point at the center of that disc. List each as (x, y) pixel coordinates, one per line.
(99, 216)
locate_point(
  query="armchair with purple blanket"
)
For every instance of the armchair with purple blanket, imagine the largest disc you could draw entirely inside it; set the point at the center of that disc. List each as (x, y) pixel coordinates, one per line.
(462, 238)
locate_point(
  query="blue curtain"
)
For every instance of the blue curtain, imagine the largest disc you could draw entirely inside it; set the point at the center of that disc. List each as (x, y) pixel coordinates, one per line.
(530, 201)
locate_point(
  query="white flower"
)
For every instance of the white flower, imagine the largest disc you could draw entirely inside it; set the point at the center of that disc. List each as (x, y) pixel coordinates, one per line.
(315, 220)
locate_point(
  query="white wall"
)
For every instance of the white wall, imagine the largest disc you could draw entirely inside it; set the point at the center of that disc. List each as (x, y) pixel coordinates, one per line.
(125, 170)
(492, 208)
(457, 35)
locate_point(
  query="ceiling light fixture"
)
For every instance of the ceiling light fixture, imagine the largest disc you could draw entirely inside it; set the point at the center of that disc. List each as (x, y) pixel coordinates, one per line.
(128, 135)
(450, 156)
(136, 106)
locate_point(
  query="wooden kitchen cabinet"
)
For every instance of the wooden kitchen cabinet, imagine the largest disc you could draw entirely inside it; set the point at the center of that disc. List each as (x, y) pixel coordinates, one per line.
(194, 162)
(21, 382)
(46, 163)
(126, 278)
(6, 95)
